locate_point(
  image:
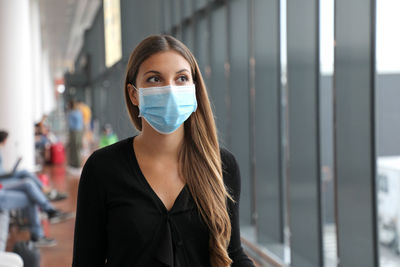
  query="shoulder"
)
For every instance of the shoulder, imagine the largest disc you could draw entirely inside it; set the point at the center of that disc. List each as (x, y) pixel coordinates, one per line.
(103, 167)
(228, 160)
(109, 156)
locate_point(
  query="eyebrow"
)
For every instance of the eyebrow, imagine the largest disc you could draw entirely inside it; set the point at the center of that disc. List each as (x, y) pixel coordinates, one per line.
(183, 70)
(151, 71)
(157, 72)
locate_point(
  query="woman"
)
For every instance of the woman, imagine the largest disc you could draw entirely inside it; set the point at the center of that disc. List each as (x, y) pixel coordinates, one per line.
(169, 196)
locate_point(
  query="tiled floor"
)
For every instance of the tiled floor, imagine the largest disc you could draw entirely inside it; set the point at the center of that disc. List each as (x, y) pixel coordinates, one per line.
(61, 255)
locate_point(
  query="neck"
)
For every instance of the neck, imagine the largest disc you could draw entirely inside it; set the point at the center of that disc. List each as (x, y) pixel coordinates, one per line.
(160, 145)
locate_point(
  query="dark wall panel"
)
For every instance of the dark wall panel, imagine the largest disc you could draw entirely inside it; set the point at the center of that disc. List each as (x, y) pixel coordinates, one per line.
(267, 134)
(201, 50)
(327, 151)
(138, 20)
(217, 86)
(109, 102)
(387, 114)
(354, 132)
(304, 166)
(239, 85)
(94, 47)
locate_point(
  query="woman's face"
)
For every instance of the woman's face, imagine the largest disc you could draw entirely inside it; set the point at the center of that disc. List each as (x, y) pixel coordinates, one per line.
(162, 69)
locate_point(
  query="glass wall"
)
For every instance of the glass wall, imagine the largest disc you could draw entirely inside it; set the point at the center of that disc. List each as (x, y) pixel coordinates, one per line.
(387, 116)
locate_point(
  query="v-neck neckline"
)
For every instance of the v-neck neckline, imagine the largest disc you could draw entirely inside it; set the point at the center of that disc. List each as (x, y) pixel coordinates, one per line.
(147, 184)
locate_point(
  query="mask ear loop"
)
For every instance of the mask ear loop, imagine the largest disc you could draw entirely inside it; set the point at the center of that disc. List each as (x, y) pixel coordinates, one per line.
(134, 87)
(137, 90)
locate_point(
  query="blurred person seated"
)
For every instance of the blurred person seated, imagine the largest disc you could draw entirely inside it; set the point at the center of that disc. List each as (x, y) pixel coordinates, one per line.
(15, 175)
(25, 194)
(44, 138)
(108, 137)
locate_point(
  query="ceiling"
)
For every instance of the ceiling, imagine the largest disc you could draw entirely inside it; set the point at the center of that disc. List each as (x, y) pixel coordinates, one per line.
(63, 23)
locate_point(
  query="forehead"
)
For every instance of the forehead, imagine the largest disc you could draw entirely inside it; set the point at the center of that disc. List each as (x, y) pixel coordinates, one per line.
(165, 61)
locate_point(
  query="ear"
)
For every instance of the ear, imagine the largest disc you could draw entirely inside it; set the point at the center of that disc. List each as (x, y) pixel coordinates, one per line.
(133, 95)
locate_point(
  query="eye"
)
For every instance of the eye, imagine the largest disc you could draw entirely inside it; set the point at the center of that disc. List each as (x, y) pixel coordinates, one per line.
(153, 79)
(183, 79)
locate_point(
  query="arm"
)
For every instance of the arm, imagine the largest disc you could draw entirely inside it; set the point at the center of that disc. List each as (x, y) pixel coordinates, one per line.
(232, 181)
(90, 225)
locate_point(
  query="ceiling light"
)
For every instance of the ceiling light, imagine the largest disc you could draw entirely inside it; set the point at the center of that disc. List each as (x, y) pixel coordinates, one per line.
(61, 88)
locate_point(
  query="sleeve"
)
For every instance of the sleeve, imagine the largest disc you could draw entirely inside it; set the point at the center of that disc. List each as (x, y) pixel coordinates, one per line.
(90, 225)
(232, 181)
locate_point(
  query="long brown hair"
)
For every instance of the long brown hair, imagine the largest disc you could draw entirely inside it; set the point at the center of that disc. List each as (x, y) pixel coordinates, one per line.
(199, 156)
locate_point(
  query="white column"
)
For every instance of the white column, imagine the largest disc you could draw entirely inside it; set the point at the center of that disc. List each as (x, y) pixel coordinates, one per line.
(48, 90)
(37, 86)
(16, 81)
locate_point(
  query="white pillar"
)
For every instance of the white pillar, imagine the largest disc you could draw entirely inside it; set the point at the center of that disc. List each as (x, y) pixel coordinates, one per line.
(16, 81)
(37, 85)
(48, 93)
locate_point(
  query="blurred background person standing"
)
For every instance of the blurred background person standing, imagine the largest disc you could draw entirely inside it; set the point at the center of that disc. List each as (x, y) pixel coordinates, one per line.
(75, 125)
(108, 137)
(87, 138)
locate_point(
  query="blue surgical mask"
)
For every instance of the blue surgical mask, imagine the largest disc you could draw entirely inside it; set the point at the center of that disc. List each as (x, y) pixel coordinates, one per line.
(166, 108)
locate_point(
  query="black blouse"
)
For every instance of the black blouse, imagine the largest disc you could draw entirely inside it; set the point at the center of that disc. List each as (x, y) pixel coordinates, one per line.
(121, 221)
